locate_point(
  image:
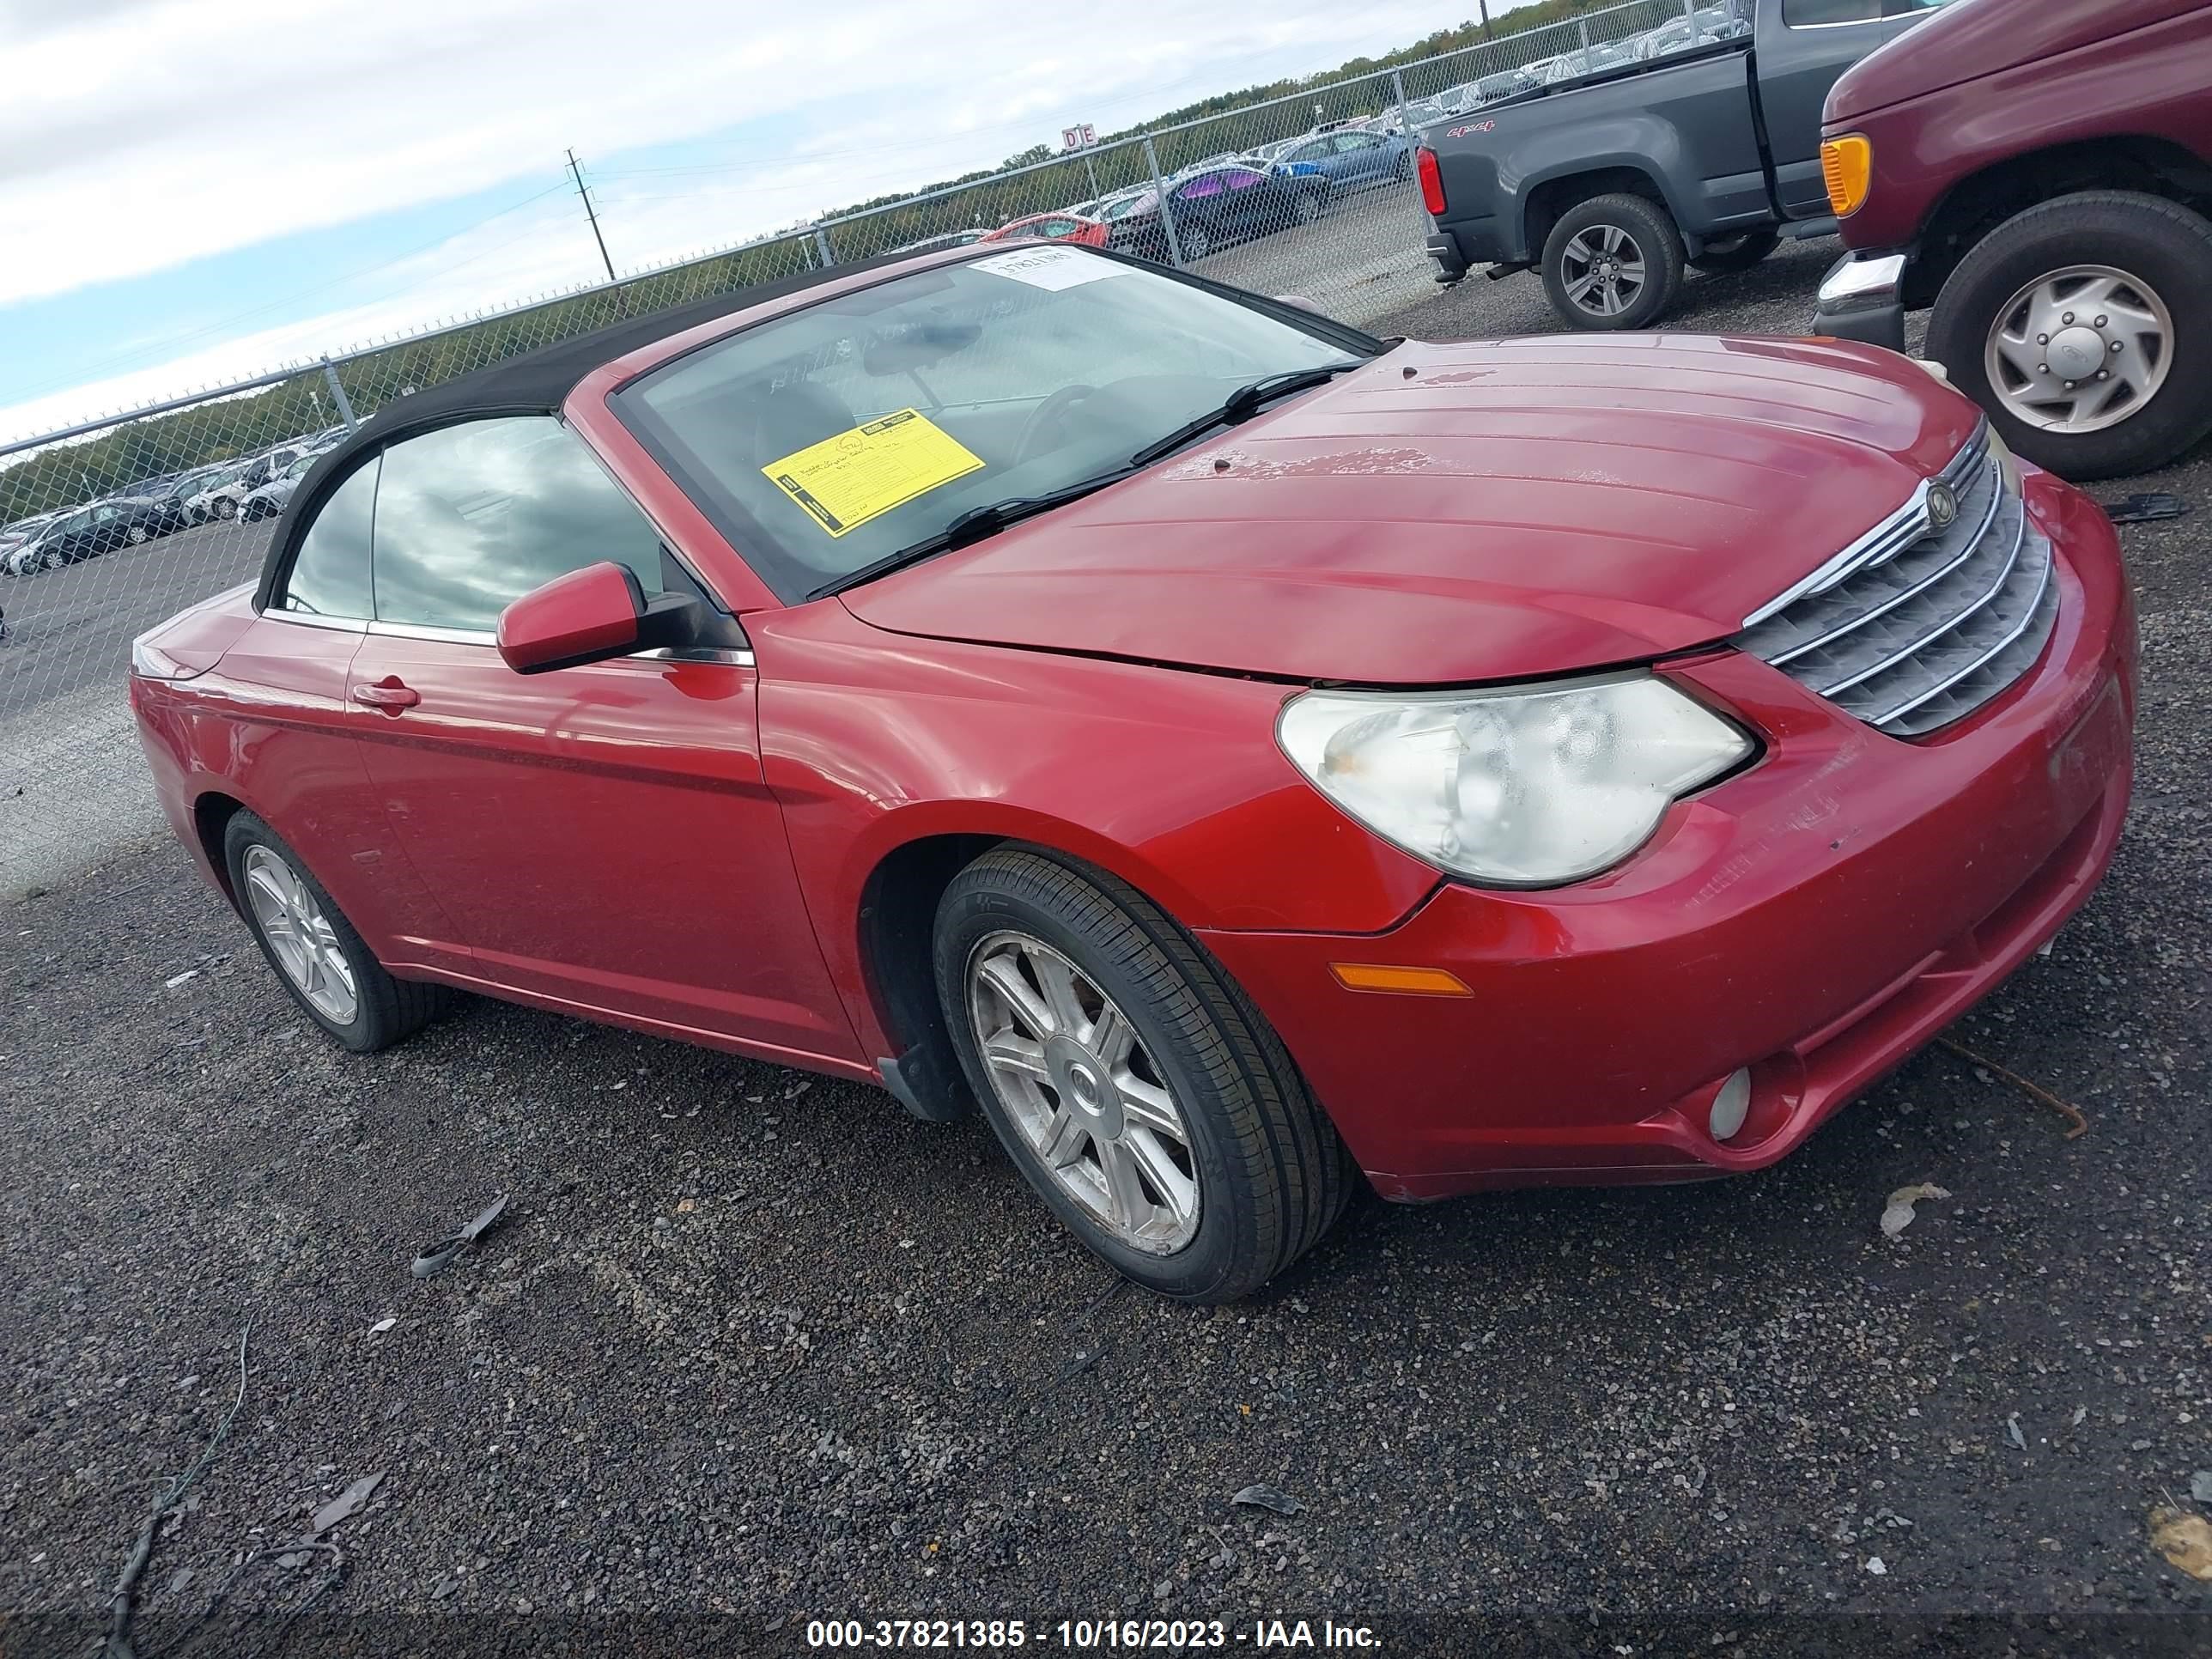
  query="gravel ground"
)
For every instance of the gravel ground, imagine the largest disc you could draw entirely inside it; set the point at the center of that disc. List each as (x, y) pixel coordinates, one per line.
(753, 1348)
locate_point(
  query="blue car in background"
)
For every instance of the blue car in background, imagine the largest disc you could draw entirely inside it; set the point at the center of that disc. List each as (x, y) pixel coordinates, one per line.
(1352, 157)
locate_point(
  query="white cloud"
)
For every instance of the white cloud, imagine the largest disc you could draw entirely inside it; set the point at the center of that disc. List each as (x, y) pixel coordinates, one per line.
(141, 134)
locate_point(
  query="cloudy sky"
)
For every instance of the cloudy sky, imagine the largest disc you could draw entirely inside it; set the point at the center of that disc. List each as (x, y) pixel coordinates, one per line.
(193, 191)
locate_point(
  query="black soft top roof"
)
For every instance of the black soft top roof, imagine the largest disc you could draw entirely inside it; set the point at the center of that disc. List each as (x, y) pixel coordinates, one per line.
(536, 383)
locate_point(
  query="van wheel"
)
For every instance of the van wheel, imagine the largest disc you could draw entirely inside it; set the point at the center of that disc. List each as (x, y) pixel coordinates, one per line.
(1130, 1080)
(2084, 326)
(1726, 255)
(1613, 262)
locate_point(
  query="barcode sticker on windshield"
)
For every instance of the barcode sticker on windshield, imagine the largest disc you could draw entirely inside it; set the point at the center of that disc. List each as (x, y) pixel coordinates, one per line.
(858, 474)
(1051, 267)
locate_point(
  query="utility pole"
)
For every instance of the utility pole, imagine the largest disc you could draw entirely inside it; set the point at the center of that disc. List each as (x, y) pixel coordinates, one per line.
(1483, 7)
(583, 190)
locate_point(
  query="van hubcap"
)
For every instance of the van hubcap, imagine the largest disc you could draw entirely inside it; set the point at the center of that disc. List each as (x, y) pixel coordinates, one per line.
(1083, 1092)
(2079, 350)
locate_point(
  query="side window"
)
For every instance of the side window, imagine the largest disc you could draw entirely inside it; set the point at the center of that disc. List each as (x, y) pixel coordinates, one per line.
(470, 518)
(329, 573)
(1243, 179)
(1312, 152)
(1206, 184)
(1811, 13)
(1348, 142)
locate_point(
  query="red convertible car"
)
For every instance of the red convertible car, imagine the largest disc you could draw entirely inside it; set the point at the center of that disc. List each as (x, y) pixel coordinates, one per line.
(1237, 752)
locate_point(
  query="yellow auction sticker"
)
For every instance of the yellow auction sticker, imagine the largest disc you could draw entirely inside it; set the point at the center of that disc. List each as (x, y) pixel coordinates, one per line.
(860, 475)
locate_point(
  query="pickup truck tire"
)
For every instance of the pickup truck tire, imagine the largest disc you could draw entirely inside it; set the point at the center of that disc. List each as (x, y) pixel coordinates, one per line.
(1726, 255)
(2138, 266)
(1612, 262)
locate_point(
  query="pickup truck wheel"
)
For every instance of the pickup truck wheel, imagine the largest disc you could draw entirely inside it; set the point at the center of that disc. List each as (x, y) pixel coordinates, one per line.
(1131, 1081)
(1726, 255)
(1613, 262)
(2084, 326)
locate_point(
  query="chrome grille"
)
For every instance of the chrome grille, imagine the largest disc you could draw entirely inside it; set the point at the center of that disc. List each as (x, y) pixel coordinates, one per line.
(1914, 626)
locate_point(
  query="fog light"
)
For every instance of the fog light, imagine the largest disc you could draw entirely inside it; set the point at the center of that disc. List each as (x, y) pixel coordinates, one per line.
(1731, 1105)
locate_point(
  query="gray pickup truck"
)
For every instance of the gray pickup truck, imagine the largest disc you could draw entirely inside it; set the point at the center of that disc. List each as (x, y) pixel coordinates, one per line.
(1611, 183)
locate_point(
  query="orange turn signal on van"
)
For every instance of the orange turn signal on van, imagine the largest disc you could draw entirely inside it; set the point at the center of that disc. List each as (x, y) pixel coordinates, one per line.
(1847, 165)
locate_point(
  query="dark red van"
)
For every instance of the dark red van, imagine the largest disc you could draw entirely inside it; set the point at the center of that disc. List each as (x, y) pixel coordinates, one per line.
(2039, 175)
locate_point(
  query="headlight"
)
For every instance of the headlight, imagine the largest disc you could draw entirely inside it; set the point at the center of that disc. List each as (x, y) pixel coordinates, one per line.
(1528, 787)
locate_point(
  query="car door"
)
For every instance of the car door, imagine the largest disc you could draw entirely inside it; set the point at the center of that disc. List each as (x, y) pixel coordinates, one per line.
(601, 836)
(1361, 158)
(1803, 47)
(292, 733)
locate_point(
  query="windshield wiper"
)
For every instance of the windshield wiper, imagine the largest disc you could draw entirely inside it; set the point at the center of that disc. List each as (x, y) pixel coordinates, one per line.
(1241, 405)
(973, 525)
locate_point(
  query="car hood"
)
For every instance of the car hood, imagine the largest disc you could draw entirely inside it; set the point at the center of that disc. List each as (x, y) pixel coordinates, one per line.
(1455, 514)
(1966, 42)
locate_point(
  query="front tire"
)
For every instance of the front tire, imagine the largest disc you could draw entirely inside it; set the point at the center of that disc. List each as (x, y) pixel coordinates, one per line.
(1131, 1082)
(226, 508)
(325, 965)
(2084, 326)
(1197, 242)
(1612, 262)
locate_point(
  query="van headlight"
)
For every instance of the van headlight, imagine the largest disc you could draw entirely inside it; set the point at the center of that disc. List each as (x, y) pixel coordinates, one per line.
(1531, 787)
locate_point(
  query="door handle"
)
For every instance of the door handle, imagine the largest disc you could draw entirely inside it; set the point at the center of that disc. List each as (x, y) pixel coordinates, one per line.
(388, 694)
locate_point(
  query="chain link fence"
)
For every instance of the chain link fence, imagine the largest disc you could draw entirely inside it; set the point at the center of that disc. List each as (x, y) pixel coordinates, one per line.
(111, 525)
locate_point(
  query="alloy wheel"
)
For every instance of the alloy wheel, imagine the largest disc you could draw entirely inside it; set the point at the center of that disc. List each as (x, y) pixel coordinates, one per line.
(300, 936)
(1083, 1092)
(2079, 350)
(1196, 243)
(1602, 269)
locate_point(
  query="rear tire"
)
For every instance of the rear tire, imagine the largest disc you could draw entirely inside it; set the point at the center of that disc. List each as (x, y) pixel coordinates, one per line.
(2163, 248)
(1619, 251)
(1259, 1174)
(1197, 241)
(1725, 256)
(384, 1011)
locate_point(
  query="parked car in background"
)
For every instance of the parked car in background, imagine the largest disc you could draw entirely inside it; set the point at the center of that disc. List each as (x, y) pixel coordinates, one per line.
(1230, 816)
(2042, 177)
(268, 501)
(1611, 187)
(19, 535)
(1215, 207)
(1352, 158)
(218, 495)
(948, 239)
(1061, 227)
(75, 536)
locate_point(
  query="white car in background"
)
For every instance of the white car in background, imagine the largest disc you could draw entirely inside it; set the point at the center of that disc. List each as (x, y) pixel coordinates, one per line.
(268, 501)
(17, 538)
(218, 496)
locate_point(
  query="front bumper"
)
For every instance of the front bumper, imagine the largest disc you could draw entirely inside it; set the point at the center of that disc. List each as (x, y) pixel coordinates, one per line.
(1816, 918)
(1863, 298)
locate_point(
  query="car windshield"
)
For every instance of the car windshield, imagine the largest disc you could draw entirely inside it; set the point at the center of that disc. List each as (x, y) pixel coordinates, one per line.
(825, 441)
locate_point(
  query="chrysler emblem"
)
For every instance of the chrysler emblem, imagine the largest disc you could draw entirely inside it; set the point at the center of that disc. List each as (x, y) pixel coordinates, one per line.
(1943, 505)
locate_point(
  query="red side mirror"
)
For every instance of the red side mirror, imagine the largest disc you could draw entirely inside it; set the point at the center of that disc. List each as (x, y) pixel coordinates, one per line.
(586, 616)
